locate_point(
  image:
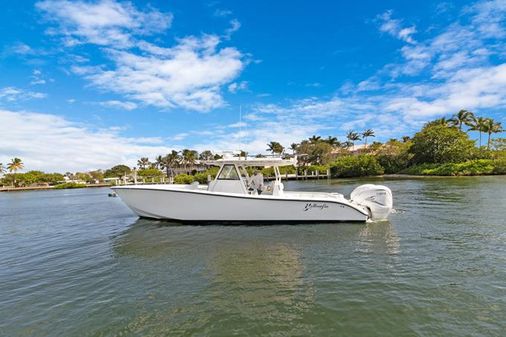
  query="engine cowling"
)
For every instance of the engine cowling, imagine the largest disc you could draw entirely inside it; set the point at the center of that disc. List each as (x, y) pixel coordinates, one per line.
(377, 198)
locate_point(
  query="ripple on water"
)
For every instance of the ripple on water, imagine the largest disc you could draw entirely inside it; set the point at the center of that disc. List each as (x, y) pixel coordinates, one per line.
(80, 264)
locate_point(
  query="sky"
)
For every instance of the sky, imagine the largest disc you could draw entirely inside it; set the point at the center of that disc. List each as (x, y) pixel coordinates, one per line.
(90, 84)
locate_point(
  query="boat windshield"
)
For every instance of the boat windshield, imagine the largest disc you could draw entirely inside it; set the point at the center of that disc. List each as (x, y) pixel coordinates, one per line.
(228, 172)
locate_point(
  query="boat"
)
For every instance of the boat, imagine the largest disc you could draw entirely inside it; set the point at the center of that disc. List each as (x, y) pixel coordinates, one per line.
(229, 198)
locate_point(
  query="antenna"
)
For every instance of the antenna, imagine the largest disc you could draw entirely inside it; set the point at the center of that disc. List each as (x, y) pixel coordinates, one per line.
(240, 128)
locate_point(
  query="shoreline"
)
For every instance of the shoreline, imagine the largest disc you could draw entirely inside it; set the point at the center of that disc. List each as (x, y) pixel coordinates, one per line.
(46, 188)
(386, 176)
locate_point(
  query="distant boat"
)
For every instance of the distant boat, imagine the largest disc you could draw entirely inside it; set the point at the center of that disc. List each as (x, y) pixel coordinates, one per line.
(230, 198)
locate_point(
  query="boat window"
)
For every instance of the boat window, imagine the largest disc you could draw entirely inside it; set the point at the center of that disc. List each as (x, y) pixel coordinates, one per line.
(228, 173)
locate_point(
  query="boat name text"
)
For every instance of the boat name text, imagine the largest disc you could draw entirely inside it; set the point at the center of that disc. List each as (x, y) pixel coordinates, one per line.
(310, 205)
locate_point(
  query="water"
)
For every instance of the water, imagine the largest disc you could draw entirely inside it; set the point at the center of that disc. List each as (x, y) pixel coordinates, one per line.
(77, 263)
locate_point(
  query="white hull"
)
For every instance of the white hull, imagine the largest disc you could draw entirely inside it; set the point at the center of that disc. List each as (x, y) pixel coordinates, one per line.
(187, 203)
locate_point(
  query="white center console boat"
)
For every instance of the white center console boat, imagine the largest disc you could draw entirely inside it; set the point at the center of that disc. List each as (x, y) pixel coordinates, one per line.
(229, 198)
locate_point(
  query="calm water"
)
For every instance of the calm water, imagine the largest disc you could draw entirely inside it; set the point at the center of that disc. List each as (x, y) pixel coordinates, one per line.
(77, 263)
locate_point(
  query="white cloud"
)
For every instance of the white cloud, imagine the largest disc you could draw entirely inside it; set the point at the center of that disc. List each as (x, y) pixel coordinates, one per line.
(106, 22)
(119, 104)
(394, 27)
(234, 27)
(37, 78)
(53, 143)
(188, 75)
(12, 94)
(237, 86)
(222, 12)
(489, 18)
(21, 48)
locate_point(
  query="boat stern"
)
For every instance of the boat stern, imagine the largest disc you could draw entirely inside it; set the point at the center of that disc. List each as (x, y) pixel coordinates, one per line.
(376, 198)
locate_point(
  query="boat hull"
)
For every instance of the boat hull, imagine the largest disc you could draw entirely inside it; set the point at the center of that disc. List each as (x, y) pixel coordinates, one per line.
(197, 206)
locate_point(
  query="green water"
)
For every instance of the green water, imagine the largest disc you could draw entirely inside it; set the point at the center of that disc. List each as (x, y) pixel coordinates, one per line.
(77, 263)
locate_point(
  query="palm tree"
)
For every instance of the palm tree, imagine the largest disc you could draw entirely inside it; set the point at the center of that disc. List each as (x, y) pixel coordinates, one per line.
(367, 133)
(158, 162)
(332, 141)
(294, 147)
(275, 147)
(143, 163)
(478, 125)
(491, 127)
(169, 161)
(463, 117)
(2, 169)
(347, 144)
(189, 157)
(353, 136)
(15, 165)
(440, 121)
(314, 139)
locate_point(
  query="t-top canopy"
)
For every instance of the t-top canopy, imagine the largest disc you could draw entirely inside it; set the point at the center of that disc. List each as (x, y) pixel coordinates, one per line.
(245, 161)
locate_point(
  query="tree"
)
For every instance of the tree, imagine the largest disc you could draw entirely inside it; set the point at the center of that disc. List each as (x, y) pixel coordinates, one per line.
(189, 157)
(490, 126)
(158, 162)
(206, 155)
(367, 133)
(463, 117)
(143, 163)
(170, 161)
(117, 171)
(478, 124)
(394, 155)
(352, 136)
(150, 173)
(332, 141)
(97, 175)
(346, 145)
(294, 147)
(2, 169)
(314, 153)
(356, 166)
(15, 165)
(439, 144)
(443, 121)
(315, 139)
(275, 148)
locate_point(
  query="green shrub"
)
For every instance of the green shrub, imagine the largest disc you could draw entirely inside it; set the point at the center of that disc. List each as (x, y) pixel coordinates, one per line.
(201, 177)
(312, 169)
(69, 185)
(500, 166)
(184, 179)
(150, 173)
(468, 168)
(356, 166)
(393, 163)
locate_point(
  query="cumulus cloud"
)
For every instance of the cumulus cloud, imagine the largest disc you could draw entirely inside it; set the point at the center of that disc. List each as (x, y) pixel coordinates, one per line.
(234, 27)
(53, 143)
(189, 75)
(395, 28)
(125, 105)
(12, 94)
(106, 22)
(237, 86)
(37, 78)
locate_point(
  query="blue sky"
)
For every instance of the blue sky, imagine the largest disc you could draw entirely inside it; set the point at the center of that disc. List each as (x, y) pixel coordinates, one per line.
(88, 84)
